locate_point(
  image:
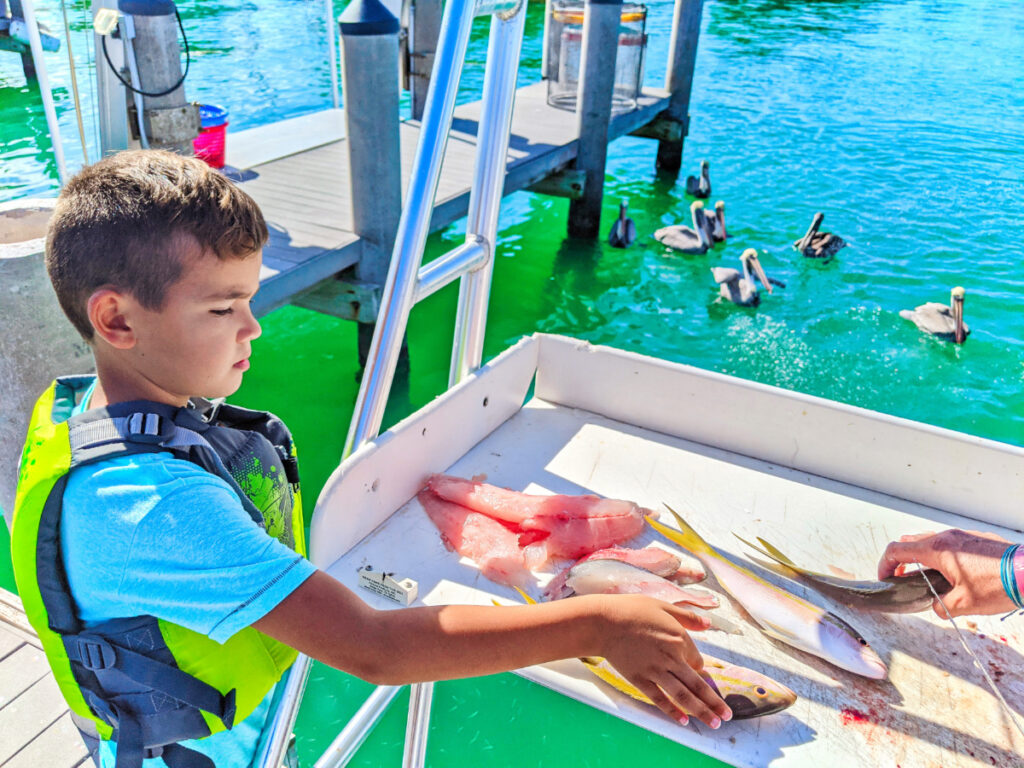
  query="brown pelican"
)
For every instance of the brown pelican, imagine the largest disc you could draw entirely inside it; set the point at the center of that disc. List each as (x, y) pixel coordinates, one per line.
(700, 187)
(819, 245)
(623, 230)
(939, 320)
(718, 233)
(687, 239)
(740, 288)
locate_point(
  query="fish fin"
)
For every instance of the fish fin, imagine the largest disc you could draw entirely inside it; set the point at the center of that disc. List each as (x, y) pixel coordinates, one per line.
(777, 555)
(685, 537)
(777, 568)
(775, 631)
(529, 600)
(606, 672)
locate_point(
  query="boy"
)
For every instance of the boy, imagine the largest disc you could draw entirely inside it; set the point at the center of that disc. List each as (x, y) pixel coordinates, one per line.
(157, 547)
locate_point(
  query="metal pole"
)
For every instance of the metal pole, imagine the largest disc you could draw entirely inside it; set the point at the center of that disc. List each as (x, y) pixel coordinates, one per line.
(396, 300)
(682, 59)
(417, 725)
(332, 51)
(275, 745)
(347, 743)
(29, 11)
(594, 111)
(503, 51)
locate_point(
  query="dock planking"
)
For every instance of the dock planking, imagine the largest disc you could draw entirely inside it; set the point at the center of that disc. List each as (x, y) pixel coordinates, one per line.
(35, 722)
(304, 192)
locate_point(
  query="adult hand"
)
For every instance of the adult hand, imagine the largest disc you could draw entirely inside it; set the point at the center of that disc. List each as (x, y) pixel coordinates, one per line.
(969, 560)
(649, 644)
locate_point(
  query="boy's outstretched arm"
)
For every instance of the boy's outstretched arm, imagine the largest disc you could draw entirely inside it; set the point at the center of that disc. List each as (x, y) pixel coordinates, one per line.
(645, 639)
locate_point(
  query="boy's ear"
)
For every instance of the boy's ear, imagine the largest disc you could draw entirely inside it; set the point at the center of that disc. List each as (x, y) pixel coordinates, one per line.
(106, 309)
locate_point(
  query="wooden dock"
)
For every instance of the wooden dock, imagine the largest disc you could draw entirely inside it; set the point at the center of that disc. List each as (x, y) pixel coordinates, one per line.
(35, 722)
(297, 171)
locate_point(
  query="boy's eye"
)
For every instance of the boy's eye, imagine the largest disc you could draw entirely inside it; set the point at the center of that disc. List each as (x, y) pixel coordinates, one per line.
(222, 312)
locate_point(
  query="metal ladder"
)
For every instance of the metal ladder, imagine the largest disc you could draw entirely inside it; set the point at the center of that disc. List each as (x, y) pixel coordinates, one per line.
(409, 282)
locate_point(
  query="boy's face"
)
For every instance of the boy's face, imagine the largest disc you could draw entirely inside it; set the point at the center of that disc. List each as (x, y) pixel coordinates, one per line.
(198, 343)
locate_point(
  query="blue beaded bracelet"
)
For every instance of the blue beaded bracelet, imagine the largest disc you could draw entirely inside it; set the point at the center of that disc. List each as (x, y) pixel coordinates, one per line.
(1008, 577)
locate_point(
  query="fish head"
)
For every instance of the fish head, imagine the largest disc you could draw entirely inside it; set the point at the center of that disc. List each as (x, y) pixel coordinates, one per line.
(748, 693)
(846, 648)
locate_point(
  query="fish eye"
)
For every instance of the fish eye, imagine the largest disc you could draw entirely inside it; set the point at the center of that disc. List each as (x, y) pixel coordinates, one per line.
(761, 691)
(862, 641)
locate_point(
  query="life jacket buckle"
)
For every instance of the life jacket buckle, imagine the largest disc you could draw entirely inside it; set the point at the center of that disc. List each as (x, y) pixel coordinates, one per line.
(95, 653)
(149, 428)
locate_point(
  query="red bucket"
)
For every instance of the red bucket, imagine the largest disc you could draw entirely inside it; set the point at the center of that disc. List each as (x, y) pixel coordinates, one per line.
(209, 144)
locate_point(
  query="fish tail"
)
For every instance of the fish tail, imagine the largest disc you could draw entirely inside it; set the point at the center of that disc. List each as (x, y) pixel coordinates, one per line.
(529, 600)
(776, 554)
(685, 537)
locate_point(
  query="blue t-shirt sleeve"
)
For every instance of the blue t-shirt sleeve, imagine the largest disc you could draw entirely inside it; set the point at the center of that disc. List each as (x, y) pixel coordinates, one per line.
(172, 541)
(198, 560)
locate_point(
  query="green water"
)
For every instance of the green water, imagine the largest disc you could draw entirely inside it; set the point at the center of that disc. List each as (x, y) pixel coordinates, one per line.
(901, 120)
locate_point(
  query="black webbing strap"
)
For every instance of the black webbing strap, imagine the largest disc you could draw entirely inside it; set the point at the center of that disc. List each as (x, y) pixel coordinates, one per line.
(95, 653)
(131, 752)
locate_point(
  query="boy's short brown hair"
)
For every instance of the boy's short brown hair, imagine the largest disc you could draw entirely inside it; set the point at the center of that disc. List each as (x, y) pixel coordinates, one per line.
(131, 220)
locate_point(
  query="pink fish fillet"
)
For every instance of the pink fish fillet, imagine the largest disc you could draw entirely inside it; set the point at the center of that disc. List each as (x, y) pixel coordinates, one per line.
(652, 559)
(488, 543)
(575, 525)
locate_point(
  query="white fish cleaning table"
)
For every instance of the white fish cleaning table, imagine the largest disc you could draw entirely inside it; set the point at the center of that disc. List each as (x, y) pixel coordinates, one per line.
(829, 484)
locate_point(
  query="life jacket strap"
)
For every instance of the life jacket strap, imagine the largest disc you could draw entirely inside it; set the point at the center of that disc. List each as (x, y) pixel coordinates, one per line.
(96, 653)
(96, 439)
(131, 752)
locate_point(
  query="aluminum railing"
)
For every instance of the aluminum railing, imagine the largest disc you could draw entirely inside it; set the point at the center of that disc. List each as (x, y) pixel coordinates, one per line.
(408, 282)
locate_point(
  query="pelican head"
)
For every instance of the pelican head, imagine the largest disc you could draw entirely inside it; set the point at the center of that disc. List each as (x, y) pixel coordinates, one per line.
(956, 297)
(703, 166)
(752, 263)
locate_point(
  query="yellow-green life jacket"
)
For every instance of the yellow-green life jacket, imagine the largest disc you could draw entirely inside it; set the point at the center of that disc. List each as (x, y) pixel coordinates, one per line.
(146, 683)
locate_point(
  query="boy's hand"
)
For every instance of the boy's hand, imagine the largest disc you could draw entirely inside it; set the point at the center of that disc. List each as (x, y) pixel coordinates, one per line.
(646, 640)
(968, 559)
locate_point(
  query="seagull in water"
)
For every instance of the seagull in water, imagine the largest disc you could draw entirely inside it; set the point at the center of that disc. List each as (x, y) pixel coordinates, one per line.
(739, 287)
(680, 237)
(939, 320)
(700, 187)
(819, 245)
(623, 230)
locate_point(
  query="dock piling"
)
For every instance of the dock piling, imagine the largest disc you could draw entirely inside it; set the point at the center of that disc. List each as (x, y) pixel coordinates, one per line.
(424, 29)
(594, 110)
(682, 58)
(369, 73)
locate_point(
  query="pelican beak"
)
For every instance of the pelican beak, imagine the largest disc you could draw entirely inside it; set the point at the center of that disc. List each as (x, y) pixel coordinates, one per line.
(958, 317)
(759, 271)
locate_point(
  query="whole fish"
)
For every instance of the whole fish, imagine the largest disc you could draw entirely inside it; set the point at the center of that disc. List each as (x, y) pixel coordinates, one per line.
(605, 577)
(657, 561)
(779, 614)
(613, 577)
(897, 594)
(748, 693)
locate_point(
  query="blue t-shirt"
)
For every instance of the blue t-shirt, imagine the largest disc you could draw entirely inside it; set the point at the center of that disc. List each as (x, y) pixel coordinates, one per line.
(151, 534)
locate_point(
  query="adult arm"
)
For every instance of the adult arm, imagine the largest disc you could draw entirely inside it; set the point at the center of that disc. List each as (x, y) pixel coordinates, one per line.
(969, 560)
(645, 639)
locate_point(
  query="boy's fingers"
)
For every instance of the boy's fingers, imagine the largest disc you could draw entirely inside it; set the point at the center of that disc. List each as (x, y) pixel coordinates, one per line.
(663, 702)
(696, 697)
(690, 620)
